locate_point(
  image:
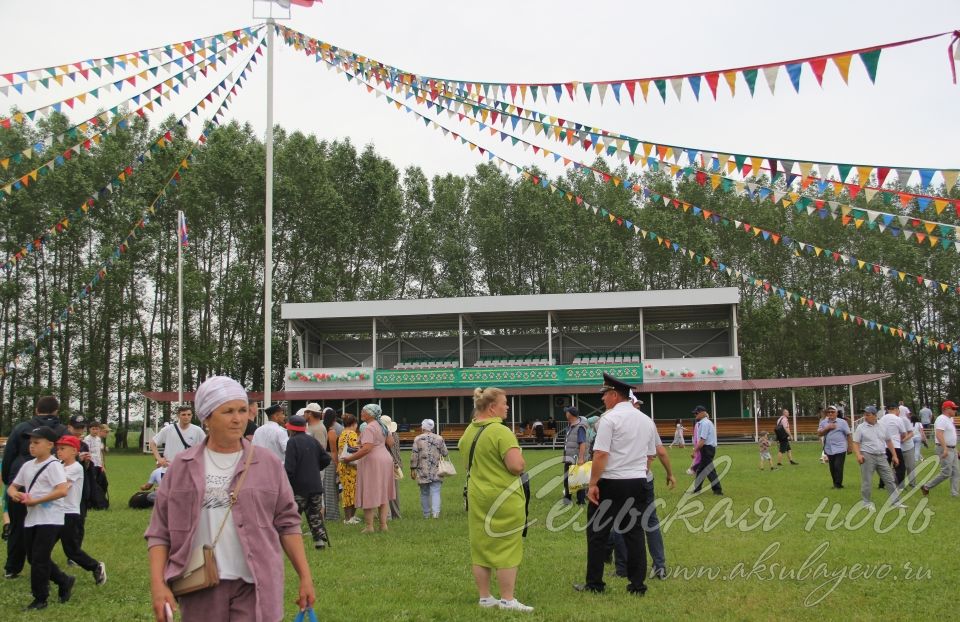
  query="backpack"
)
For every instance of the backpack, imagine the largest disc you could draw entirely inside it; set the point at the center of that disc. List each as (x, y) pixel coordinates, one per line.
(781, 433)
(141, 501)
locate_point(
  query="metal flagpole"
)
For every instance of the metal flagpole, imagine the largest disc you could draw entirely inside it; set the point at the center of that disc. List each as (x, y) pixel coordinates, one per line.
(268, 228)
(179, 310)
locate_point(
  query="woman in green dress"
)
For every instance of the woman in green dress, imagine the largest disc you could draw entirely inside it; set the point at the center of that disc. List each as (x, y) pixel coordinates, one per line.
(495, 499)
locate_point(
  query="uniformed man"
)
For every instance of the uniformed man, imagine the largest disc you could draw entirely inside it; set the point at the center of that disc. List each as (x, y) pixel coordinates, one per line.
(706, 442)
(618, 493)
(870, 443)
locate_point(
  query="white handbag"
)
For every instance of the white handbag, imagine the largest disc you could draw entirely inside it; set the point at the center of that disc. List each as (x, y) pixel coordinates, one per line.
(445, 468)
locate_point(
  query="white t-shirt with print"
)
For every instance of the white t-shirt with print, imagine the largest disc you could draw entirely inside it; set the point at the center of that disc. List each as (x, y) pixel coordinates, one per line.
(71, 503)
(216, 500)
(51, 512)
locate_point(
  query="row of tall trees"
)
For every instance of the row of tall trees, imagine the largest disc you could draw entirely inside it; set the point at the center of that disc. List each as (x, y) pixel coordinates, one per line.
(349, 225)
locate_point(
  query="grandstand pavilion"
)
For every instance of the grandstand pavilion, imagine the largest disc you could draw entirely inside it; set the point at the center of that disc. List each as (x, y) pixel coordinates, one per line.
(423, 358)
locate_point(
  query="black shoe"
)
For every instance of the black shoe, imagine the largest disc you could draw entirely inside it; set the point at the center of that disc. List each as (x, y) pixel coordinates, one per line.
(582, 587)
(923, 489)
(71, 563)
(622, 575)
(36, 605)
(719, 493)
(5, 534)
(659, 573)
(794, 463)
(11, 575)
(64, 591)
(637, 591)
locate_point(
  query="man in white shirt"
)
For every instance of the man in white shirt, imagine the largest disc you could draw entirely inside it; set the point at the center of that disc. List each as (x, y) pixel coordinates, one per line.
(177, 437)
(926, 416)
(272, 435)
(626, 439)
(898, 431)
(946, 435)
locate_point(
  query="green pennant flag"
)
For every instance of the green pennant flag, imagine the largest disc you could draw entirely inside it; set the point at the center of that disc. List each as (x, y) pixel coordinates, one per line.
(870, 61)
(533, 91)
(739, 160)
(750, 76)
(662, 87)
(634, 143)
(844, 170)
(726, 184)
(587, 89)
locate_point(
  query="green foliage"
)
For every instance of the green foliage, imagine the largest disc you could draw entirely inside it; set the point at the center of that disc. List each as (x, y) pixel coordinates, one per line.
(348, 226)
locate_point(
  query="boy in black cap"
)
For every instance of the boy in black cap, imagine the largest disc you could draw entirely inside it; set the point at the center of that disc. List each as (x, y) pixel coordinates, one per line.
(38, 485)
(17, 453)
(304, 462)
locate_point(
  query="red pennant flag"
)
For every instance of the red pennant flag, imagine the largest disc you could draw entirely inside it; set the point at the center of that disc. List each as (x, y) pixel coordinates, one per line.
(818, 65)
(631, 86)
(712, 79)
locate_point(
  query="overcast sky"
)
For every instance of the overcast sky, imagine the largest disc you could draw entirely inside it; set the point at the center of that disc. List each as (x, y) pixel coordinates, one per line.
(908, 118)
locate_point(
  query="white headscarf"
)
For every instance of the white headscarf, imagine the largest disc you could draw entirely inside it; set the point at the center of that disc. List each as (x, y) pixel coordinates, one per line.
(216, 391)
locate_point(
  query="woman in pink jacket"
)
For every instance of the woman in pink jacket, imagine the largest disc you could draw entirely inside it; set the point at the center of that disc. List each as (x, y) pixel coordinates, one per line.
(194, 501)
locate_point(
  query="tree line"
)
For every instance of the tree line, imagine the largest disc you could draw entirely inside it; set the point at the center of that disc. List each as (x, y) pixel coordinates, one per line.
(348, 225)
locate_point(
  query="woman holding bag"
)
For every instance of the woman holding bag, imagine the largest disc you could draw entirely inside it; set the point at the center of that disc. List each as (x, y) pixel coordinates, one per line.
(375, 482)
(495, 499)
(226, 494)
(428, 448)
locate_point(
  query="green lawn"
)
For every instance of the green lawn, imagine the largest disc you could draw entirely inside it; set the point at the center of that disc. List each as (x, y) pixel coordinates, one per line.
(420, 570)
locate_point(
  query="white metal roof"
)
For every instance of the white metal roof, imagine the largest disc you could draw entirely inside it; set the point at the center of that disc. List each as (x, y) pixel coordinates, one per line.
(487, 312)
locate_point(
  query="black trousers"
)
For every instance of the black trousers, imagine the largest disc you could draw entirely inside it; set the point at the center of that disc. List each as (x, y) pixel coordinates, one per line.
(899, 471)
(705, 469)
(836, 467)
(622, 504)
(40, 541)
(16, 545)
(71, 538)
(581, 493)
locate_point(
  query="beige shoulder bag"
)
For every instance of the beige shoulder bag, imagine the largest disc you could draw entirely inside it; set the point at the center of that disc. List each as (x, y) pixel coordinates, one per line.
(201, 570)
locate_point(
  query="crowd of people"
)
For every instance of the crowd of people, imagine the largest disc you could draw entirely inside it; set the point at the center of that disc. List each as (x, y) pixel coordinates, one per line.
(232, 494)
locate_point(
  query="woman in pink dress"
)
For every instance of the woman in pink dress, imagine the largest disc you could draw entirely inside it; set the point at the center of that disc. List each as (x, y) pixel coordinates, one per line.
(375, 484)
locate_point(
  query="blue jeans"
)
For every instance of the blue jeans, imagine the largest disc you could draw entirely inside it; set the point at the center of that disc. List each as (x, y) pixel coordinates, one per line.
(653, 536)
(430, 498)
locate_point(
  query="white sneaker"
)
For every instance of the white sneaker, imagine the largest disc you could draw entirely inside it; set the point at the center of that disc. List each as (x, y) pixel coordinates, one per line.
(489, 601)
(870, 507)
(515, 605)
(899, 506)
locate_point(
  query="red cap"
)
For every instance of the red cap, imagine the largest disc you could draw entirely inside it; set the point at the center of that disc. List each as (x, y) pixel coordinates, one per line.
(948, 404)
(72, 441)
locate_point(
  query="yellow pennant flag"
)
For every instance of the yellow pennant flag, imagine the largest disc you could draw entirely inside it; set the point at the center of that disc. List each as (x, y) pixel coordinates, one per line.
(843, 65)
(860, 263)
(939, 205)
(755, 164)
(714, 181)
(731, 78)
(863, 175)
(950, 179)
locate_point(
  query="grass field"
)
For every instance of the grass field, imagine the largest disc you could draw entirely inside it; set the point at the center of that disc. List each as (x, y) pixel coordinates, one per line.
(752, 555)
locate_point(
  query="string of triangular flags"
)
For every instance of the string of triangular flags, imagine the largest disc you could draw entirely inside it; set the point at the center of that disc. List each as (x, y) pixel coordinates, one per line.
(806, 302)
(847, 215)
(142, 222)
(622, 89)
(196, 59)
(97, 67)
(122, 177)
(716, 218)
(106, 126)
(917, 229)
(812, 175)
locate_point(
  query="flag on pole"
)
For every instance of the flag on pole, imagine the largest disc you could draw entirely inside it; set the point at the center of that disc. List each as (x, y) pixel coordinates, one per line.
(307, 3)
(182, 230)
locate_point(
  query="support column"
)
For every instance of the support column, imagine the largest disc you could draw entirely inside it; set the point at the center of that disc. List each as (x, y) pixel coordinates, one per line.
(756, 423)
(460, 333)
(513, 414)
(756, 415)
(436, 404)
(549, 337)
(850, 406)
(793, 402)
(713, 406)
(651, 406)
(734, 343)
(881, 404)
(289, 344)
(374, 333)
(643, 339)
